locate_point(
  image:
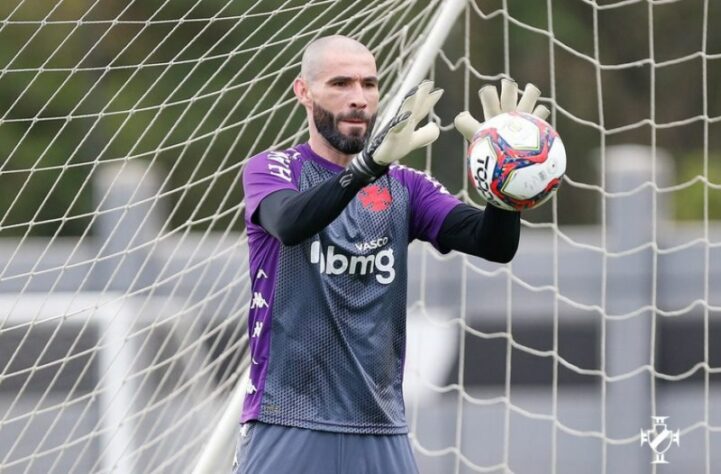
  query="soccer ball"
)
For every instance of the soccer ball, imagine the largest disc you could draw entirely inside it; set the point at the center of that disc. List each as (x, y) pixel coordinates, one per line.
(516, 161)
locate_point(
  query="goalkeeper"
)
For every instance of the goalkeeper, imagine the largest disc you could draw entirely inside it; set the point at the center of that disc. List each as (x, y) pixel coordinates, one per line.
(329, 222)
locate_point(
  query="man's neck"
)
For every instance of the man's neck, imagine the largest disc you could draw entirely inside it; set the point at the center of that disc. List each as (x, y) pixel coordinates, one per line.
(323, 149)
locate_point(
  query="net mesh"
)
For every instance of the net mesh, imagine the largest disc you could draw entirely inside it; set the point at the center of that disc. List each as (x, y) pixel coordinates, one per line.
(123, 269)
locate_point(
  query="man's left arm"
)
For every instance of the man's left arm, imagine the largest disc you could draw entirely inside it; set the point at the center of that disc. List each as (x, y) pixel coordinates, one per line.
(492, 234)
(449, 224)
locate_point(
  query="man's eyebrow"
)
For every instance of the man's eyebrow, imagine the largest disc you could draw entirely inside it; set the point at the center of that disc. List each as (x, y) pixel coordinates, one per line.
(373, 79)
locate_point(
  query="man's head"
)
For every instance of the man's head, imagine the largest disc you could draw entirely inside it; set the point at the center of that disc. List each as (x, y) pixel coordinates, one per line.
(338, 85)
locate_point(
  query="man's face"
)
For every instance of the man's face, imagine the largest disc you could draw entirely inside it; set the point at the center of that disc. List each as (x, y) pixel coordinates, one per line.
(344, 94)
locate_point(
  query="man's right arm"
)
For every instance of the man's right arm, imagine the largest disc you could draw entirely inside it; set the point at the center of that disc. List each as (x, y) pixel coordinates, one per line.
(293, 216)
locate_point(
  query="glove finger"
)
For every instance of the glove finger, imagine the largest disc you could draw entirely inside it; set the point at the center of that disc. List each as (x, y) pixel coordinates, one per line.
(408, 101)
(509, 95)
(424, 136)
(424, 88)
(411, 98)
(489, 101)
(542, 112)
(529, 98)
(425, 105)
(466, 124)
(399, 122)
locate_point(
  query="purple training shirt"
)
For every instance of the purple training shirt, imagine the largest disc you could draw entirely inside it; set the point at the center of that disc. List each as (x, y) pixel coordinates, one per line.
(327, 316)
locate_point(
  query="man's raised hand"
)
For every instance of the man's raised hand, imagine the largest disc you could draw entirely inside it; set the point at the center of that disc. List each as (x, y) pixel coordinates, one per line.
(492, 105)
(399, 137)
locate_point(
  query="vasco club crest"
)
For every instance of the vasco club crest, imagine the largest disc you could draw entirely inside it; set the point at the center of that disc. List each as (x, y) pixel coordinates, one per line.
(660, 438)
(375, 198)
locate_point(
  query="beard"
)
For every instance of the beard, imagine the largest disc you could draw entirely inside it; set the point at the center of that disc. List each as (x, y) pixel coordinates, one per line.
(327, 125)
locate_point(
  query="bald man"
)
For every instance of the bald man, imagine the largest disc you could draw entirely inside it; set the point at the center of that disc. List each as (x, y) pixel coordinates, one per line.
(329, 222)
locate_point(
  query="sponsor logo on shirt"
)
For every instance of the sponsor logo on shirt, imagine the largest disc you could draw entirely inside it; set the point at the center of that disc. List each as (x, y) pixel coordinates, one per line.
(380, 264)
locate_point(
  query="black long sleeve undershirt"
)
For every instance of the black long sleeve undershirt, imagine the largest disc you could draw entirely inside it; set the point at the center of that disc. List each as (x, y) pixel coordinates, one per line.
(492, 234)
(293, 216)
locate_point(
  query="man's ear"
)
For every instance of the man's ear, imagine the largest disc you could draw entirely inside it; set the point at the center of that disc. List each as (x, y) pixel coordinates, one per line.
(302, 91)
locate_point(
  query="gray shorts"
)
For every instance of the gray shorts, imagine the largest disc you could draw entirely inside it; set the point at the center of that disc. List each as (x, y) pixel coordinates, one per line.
(276, 449)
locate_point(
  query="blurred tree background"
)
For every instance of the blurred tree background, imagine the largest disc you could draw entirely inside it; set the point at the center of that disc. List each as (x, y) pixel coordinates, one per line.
(194, 87)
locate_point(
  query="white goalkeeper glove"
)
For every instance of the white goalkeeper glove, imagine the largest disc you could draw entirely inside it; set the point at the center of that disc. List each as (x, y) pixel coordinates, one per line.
(399, 137)
(492, 106)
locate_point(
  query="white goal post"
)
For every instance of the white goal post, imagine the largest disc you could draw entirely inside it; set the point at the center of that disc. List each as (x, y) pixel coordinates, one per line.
(124, 127)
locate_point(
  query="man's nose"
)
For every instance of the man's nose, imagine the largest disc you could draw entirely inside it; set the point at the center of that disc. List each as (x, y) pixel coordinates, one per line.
(357, 97)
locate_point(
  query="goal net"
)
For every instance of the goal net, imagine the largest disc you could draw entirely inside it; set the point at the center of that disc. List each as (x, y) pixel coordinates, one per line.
(124, 127)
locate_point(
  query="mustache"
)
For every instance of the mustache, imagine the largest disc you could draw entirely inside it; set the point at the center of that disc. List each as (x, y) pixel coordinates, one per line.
(354, 115)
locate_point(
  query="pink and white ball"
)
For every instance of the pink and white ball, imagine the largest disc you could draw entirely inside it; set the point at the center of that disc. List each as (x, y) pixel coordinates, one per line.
(516, 161)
